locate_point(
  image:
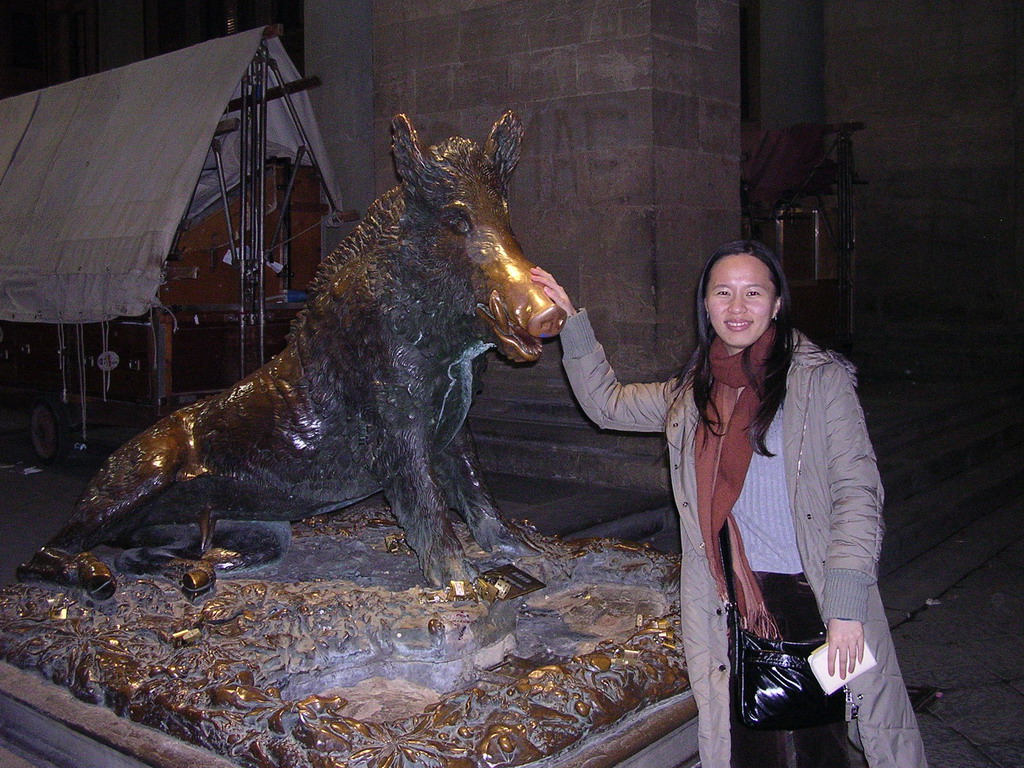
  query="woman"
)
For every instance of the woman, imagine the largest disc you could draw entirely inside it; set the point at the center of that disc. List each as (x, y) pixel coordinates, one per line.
(766, 436)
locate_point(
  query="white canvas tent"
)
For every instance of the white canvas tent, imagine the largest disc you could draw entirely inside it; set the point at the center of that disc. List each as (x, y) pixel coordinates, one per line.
(97, 173)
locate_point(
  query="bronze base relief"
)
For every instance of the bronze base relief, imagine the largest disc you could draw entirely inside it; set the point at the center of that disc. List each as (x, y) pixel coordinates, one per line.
(296, 665)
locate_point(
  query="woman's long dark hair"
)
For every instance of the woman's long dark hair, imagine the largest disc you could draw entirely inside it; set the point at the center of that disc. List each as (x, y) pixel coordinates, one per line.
(697, 371)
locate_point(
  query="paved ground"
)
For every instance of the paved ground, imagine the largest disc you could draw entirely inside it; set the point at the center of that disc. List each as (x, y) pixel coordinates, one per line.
(957, 611)
(958, 618)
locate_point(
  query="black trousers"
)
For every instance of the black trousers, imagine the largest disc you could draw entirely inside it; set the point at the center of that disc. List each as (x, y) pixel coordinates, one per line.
(791, 602)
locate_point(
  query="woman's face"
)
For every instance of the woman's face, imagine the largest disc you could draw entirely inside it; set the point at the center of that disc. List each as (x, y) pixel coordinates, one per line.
(740, 300)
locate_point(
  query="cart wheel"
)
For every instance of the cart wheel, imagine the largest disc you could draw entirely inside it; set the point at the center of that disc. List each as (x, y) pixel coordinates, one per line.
(50, 430)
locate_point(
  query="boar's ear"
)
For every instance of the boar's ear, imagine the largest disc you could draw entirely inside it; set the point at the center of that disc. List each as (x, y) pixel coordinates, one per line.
(502, 147)
(409, 158)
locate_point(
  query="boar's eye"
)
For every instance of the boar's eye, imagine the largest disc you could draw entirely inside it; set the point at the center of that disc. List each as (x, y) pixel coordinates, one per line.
(457, 219)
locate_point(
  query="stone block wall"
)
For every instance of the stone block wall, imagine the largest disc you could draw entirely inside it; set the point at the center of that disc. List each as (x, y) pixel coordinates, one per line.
(940, 254)
(629, 177)
(338, 49)
(695, 148)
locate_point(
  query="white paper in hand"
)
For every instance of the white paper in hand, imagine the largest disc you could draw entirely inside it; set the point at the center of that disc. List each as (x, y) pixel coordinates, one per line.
(831, 683)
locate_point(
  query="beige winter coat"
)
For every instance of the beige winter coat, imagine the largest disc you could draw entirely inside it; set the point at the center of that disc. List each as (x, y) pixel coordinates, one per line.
(836, 497)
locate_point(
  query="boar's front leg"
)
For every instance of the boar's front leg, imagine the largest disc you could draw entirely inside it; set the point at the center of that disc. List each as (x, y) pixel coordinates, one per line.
(405, 468)
(467, 493)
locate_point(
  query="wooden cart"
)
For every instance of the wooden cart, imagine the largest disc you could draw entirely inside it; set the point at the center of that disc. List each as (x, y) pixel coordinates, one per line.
(132, 370)
(233, 277)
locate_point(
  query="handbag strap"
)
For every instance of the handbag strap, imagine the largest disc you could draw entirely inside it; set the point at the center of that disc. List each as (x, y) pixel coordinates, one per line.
(732, 608)
(726, 551)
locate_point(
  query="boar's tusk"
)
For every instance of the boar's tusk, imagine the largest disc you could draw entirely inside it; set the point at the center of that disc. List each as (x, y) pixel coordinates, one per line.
(516, 342)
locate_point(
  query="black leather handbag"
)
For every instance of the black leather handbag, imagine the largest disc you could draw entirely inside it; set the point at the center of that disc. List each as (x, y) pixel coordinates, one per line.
(773, 687)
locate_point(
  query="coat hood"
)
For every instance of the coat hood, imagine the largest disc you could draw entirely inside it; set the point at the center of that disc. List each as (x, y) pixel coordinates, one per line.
(807, 354)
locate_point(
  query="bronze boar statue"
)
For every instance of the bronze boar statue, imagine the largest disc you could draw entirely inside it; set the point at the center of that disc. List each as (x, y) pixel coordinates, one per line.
(370, 394)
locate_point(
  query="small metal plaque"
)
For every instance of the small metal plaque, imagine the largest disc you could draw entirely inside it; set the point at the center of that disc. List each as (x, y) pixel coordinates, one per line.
(461, 590)
(507, 582)
(185, 636)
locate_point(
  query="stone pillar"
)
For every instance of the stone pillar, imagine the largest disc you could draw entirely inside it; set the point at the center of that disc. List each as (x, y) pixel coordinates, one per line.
(695, 151)
(629, 177)
(338, 50)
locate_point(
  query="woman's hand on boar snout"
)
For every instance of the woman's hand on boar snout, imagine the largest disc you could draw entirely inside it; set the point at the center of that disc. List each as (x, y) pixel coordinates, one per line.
(554, 291)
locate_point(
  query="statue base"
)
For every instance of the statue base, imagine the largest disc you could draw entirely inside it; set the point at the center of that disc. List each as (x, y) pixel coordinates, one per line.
(340, 654)
(47, 726)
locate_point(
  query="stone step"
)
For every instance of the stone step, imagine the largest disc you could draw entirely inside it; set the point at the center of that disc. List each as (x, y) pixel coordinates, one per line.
(547, 403)
(928, 353)
(936, 456)
(902, 415)
(908, 588)
(550, 437)
(565, 507)
(622, 462)
(643, 526)
(920, 522)
(530, 424)
(9, 759)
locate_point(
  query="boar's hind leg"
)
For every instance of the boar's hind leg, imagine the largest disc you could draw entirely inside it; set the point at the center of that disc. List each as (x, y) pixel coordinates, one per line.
(407, 477)
(106, 511)
(81, 569)
(467, 493)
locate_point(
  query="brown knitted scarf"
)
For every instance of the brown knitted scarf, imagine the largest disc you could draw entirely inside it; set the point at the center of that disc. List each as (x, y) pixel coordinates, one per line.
(722, 458)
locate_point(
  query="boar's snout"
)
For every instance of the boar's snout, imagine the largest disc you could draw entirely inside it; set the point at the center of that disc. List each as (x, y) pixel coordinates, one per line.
(520, 327)
(546, 323)
(518, 311)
